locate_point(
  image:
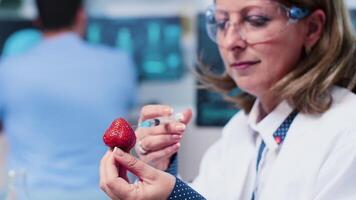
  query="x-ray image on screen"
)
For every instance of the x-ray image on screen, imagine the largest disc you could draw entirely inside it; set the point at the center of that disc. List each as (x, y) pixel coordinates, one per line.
(154, 42)
(213, 110)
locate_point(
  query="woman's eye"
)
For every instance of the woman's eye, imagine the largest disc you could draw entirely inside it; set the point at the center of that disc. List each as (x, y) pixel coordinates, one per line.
(257, 21)
(221, 25)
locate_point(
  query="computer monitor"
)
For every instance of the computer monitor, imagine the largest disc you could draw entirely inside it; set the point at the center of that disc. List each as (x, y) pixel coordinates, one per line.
(10, 4)
(154, 42)
(212, 109)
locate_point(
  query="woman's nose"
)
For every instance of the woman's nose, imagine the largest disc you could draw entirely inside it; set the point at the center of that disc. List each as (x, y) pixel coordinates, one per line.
(234, 39)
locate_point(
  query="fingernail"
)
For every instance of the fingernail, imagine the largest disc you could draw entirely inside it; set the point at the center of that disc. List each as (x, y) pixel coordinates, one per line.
(176, 136)
(169, 110)
(118, 152)
(180, 127)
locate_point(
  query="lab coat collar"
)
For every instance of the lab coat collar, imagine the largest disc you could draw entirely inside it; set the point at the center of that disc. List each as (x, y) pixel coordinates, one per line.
(269, 124)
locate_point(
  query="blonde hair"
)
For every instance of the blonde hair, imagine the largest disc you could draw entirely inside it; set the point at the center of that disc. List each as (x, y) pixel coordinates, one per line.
(331, 61)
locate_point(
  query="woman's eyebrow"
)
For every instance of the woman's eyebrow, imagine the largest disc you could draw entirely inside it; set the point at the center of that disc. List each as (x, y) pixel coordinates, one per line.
(240, 10)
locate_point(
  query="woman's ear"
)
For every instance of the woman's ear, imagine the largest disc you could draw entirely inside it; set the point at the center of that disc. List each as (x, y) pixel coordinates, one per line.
(315, 26)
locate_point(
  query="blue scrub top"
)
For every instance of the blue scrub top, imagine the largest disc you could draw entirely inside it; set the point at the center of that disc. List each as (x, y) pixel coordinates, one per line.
(56, 101)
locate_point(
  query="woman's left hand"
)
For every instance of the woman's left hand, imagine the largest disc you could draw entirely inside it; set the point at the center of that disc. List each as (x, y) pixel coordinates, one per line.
(160, 142)
(153, 184)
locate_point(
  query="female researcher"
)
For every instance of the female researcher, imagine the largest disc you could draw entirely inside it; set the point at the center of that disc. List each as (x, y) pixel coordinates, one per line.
(296, 136)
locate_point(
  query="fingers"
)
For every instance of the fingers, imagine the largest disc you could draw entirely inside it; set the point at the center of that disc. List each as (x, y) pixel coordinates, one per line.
(153, 183)
(158, 142)
(167, 152)
(152, 111)
(187, 116)
(120, 189)
(108, 173)
(110, 167)
(102, 171)
(174, 127)
(139, 168)
(159, 137)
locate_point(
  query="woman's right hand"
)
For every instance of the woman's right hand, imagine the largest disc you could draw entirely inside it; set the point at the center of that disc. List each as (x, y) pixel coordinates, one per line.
(153, 184)
(160, 142)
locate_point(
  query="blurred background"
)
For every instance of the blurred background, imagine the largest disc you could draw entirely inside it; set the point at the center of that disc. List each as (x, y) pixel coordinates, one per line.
(166, 38)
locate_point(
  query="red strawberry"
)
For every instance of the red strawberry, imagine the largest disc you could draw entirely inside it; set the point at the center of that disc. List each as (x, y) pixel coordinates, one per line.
(120, 134)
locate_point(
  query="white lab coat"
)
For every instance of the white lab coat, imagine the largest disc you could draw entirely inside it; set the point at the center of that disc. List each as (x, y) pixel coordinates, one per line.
(317, 160)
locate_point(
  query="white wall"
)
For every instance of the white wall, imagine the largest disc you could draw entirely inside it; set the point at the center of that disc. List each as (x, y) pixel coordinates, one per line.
(351, 3)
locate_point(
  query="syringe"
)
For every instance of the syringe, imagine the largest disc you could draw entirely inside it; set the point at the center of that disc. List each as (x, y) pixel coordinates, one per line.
(161, 120)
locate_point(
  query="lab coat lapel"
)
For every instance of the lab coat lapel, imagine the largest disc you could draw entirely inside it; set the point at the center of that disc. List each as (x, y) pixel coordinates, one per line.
(241, 171)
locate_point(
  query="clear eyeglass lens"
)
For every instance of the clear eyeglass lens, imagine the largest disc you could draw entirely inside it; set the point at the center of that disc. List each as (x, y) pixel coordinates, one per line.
(258, 22)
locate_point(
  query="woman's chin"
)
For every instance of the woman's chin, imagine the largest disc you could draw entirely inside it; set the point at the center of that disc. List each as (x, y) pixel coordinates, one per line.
(252, 89)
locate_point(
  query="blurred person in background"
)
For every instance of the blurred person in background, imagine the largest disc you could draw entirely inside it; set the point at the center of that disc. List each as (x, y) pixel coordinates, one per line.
(295, 137)
(56, 101)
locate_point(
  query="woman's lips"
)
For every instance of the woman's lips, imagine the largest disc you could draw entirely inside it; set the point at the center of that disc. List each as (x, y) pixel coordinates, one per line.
(243, 65)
